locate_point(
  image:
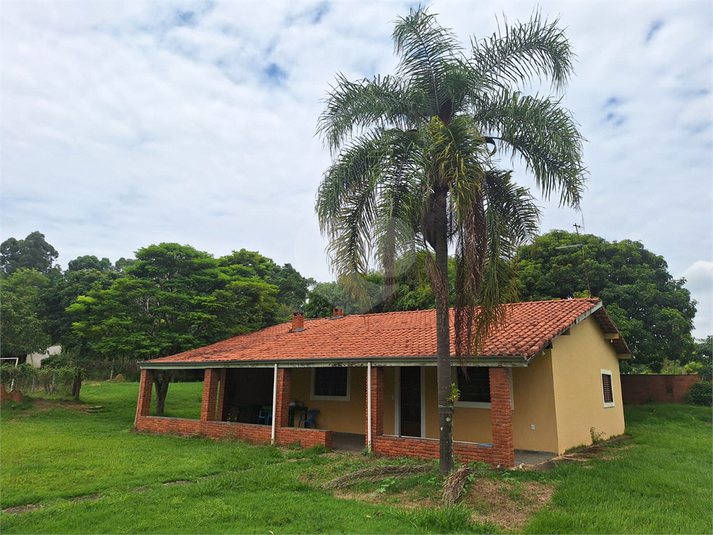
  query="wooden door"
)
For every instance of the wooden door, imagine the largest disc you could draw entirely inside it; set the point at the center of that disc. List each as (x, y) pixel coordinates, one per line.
(411, 401)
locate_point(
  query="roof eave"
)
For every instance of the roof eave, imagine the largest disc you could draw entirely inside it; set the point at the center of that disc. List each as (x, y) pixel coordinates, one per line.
(358, 362)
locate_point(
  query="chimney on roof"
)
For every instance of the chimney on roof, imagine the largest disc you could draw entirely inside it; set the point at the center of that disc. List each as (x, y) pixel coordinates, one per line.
(337, 313)
(298, 322)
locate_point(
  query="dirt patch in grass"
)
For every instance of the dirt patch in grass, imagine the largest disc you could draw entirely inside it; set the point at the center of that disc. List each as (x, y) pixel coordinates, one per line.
(43, 404)
(21, 509)
(408, 500)
(509, 505)
(87, 498)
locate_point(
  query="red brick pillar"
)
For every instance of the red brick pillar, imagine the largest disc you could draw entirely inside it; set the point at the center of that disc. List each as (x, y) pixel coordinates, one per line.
(210, 394)
(282, 399)
(145, 389)
(377, 405)
(501, 416)
(221, 394)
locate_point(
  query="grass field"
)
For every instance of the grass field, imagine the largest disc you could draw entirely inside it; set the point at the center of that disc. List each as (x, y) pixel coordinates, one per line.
(63, 470)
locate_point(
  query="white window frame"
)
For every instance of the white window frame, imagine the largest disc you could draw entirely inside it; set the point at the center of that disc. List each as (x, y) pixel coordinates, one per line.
(469, 404)
(611, 381)
(315, 397)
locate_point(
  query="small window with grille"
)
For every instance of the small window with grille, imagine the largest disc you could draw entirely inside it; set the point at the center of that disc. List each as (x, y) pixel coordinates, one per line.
(330, 384)
(607, 388)
(474, 386)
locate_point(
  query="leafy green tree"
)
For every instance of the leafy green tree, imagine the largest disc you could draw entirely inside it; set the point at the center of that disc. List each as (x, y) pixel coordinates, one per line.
(82, 276)
(23, 329)
(175, 298)
(89, 262)
(31, 253)
(413, 166)
(653, 310)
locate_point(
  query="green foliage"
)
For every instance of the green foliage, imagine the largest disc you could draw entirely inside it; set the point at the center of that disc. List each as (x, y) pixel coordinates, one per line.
(653, 311)
(703, 354)
(31, 253)
(700, 393)
(23, 329)
(55, 457)
(26, 378)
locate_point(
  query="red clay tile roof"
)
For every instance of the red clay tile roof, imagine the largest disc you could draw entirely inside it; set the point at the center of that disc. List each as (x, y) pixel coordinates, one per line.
(528, 329)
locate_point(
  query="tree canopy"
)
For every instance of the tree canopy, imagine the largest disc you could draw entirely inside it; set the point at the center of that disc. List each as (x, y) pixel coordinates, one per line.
(653, 310)
(175, 298)
(23, 329)
(31, 253)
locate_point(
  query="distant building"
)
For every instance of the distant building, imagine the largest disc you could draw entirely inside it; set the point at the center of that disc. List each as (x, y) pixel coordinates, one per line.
(36, 358)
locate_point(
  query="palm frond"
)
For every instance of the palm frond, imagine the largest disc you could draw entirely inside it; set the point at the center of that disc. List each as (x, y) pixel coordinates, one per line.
(537, 49)
(427, 54)
(357, 106)
(544, 134)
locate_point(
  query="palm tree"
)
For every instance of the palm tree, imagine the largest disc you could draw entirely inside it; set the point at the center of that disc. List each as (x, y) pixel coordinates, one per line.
(414, 165)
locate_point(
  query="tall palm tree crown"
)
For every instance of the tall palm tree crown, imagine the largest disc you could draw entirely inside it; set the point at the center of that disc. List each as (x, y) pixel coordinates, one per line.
(414, 166)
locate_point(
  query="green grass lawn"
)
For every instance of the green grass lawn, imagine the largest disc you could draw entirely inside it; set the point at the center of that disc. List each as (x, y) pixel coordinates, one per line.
(89, 473)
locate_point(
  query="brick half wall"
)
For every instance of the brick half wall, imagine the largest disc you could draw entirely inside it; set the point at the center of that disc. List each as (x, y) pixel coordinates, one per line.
(259, 434)
(640, 389)
(428, 448)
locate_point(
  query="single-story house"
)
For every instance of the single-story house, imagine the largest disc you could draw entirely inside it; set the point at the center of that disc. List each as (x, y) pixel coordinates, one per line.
(547, 380)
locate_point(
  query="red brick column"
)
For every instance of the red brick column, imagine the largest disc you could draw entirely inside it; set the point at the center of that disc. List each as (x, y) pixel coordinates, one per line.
(210, 394)
(377, 405)
(281, 413)
(145, 389)
(221, 394)
(501, 416)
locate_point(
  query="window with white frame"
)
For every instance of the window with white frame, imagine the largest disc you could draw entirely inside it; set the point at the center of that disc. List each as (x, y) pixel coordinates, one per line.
(474, 386)
(607, 388)
(330, 384)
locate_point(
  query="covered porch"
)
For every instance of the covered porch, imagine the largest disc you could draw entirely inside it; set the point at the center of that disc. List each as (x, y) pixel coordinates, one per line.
(253, 403)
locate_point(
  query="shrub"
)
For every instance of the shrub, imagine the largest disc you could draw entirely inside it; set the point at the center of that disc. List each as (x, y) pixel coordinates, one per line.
(700, 393)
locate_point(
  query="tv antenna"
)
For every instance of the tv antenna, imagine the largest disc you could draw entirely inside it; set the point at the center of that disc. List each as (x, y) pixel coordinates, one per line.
(584, 258)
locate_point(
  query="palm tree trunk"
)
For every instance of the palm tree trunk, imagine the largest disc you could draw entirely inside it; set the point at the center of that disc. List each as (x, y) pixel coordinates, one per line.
(443, 332)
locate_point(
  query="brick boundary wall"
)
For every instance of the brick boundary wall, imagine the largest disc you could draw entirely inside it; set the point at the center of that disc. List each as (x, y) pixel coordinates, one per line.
(260, 434)
(647, 388)
(428, 448)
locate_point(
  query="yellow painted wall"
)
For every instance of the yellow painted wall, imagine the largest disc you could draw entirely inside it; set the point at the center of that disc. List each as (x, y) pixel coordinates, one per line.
(340, 416)
(472, 425)
(534, 404)
(577, 361)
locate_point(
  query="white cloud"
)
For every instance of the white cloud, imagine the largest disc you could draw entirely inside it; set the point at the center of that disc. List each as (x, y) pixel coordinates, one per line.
(699, 281)
(131, 123)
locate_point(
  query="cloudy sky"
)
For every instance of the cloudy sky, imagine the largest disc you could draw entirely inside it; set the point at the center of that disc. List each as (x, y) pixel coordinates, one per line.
(128, 123)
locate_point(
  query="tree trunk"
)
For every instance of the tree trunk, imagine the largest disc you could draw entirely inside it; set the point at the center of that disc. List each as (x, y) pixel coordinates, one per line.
(443, 332)
(161, 381)
(77, 383)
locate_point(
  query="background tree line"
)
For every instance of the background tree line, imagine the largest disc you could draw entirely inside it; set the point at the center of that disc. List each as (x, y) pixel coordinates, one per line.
(653, 310)
(168, 299)
(173, 298)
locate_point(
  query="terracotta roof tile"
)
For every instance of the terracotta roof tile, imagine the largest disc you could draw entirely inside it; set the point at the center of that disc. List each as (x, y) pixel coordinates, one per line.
(528, 328)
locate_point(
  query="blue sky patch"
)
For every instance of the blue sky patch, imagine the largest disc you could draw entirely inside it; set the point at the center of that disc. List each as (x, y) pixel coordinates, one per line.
(275, 74)
(653, 29)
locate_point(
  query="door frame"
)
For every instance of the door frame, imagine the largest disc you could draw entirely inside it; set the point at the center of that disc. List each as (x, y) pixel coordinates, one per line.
(397, 401)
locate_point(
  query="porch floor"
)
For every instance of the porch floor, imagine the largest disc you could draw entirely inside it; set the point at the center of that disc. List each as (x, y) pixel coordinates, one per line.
(530, 458)
(351, 442)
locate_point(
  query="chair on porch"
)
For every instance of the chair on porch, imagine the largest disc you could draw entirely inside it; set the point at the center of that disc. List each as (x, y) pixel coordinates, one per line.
(265, 415)
(309, 418)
